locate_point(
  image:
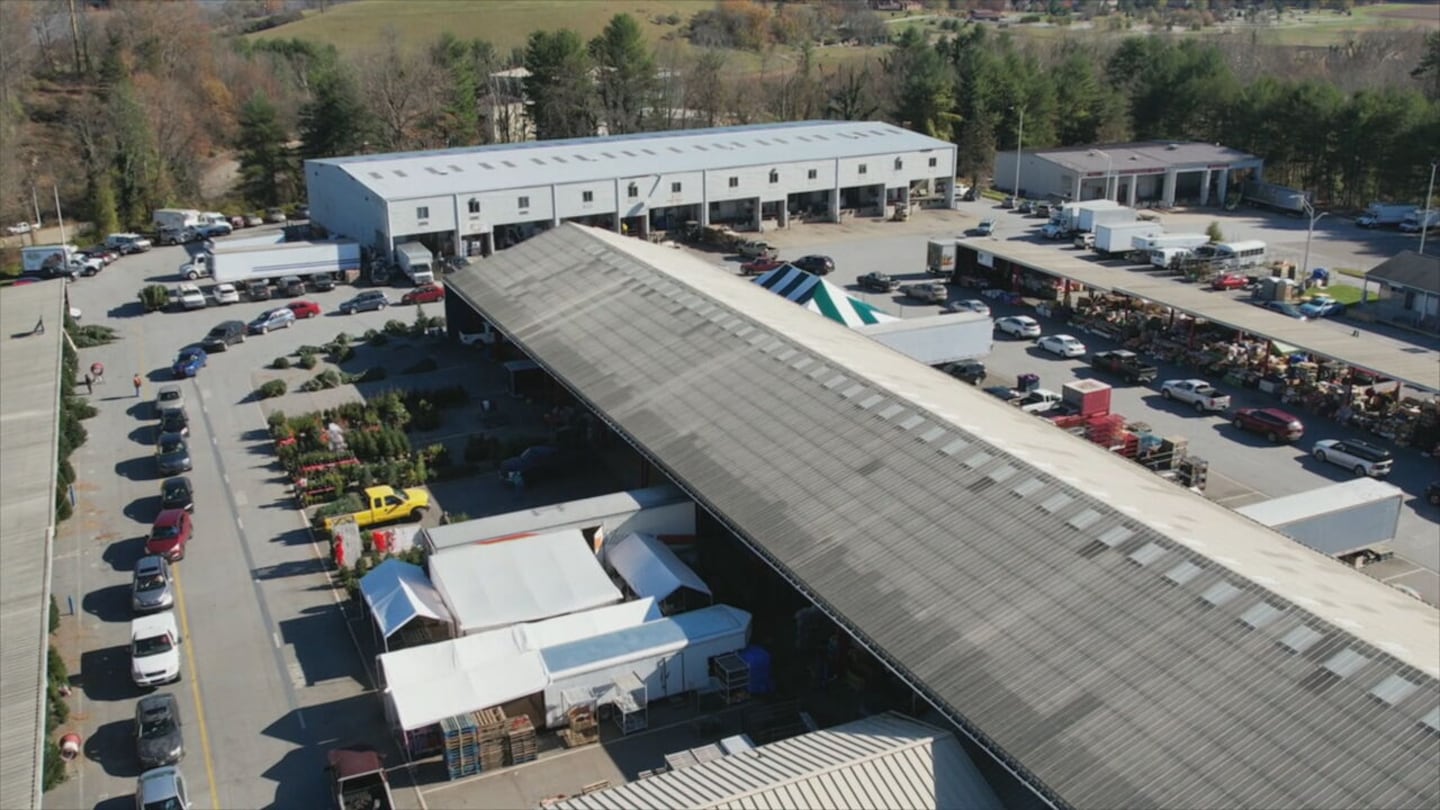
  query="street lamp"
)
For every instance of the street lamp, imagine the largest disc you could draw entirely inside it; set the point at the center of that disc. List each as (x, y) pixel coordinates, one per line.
(1425, 215)
(1108, 165)
(1309, 232)
(1019, 139)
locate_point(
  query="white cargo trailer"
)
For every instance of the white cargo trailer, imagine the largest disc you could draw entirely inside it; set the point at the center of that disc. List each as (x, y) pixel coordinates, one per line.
(289, 259)
(1067, 216)
(1189, 241)
(936, 339)
(1119, 237)
(1340, 520)
(1090, 217)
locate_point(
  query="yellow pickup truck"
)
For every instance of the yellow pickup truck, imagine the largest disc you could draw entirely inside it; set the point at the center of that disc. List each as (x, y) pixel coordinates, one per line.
(386, 505)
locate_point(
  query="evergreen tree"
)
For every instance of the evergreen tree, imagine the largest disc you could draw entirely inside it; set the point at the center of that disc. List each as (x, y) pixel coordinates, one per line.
(334, 121)
(626, 74)
(559, 86)
(264, 158)
(102, 203)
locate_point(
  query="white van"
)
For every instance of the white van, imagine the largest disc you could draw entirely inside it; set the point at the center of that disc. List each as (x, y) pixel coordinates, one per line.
(154, 649)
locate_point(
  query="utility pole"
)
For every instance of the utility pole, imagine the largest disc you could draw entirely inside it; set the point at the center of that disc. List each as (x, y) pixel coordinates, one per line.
(1428, 212)
(1019, 139)
(1309, 232)
(60, 216)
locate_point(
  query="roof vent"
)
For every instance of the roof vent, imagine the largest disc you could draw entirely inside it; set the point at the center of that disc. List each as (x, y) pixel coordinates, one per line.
(537, 161)
(698, 147)
(558, 159)
(487, 167)
(677, 150)
(377, 175)
(508, 163)
(737, 144)
(434, 171)
(781, 140)
(399, 173)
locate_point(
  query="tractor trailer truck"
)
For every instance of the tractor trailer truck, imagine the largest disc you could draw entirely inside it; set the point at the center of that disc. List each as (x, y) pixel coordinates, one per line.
(1384, 215)
(289, 259)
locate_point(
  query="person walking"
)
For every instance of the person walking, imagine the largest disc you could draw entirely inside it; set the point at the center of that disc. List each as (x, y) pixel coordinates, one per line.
(89, 384)
(136, 380)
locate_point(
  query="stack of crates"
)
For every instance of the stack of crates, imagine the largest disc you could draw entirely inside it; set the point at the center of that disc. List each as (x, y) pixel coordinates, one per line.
(584, 729)
(519, 740)
(462, 745)
(490, 731)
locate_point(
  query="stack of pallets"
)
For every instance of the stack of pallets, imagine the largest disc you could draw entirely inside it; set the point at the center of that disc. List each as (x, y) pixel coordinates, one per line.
(490, 731)
(519, 740)
(584, 728)
(462, 745)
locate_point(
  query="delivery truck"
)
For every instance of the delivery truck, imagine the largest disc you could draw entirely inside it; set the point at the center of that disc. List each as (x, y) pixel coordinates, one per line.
(1088, 218)
(1066, 218)
(1384, 215)
(416, 262)
(1420, 220)
(940, 257)
(1279, 198)
(1119, 237)
(290, 259)
(178, 218)
(49, 260)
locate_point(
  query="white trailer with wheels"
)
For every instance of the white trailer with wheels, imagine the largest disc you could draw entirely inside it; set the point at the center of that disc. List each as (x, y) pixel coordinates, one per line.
(1351, 520)
(937, 339)
(290, 259)
(1120, 237)
(1089, 218)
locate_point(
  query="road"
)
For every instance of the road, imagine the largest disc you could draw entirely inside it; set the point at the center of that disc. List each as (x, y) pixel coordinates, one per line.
(270, 677)
(1243, 468)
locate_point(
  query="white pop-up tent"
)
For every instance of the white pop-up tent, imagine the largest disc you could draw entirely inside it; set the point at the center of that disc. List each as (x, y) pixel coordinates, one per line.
(397, 593)
(650, 568)
(526, 579)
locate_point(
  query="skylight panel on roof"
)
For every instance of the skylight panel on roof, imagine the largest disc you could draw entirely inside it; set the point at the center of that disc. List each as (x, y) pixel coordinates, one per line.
(1084, 520)
(1220, 593)
(978, 460)
(1432, 720)
(787, 354)
(892, 410)
(452, 167)
(484, 165)
(911, 422)
(836, 381)
(1300, 639)
(932, 434)
(399, 173)
(1146, 554)
(1183, 573)
(1345, 663)
(1393, 689)
(870, 401)
(1056, 502)
(954, 447)
(1260, 614)
(1029, 488)
(508, 163)
(853, 391)
(1002, 473)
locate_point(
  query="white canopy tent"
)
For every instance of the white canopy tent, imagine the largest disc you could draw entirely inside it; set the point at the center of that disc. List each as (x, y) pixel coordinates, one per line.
(397, 592)
(526, 579)
(446, 693)
(651, 568)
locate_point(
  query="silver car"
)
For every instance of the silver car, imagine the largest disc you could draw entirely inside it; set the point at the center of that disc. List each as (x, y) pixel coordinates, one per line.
(152, 587)
(161, 789)
(169, 398)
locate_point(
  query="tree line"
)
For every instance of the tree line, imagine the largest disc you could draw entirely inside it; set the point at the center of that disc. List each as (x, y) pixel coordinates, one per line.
(135, 108)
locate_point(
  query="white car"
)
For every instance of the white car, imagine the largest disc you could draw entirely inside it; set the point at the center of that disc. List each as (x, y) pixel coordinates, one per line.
(968, 305)
(154, 649)
(226, 294)
(128, 243)
(21, 228)
(1198, 393)
(1360, 457)
(1062, 345)
(1020, 326)
(190, 296)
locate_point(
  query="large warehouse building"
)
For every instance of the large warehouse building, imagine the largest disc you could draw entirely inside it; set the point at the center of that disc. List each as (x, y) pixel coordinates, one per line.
(1157, 171)
(475, 200)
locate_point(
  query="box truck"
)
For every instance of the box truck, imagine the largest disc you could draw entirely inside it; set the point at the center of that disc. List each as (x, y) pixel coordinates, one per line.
(1088, 218)
(940, 257)
(53, 260)
(1066, 218)
(1119, 237)
(179, 218)
(290, 259)
(1420, 220)
(1384, 215)
(416, 262)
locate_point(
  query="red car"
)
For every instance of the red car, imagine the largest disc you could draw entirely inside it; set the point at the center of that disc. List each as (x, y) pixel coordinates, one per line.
(755, 267)
(169, 534)
(304, 309)
(1275, 424)
(1229, 281)
(424, 294)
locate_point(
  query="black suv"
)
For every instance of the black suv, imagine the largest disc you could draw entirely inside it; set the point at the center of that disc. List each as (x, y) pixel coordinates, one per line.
(819, 265)
(223, 335)
(322, 282)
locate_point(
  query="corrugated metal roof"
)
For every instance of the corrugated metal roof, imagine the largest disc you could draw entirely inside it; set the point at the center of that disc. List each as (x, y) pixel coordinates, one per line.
(884, 761)
(1133, 157)
(1409, 269)
(29, 441)
(1015, 608)
(471, 169)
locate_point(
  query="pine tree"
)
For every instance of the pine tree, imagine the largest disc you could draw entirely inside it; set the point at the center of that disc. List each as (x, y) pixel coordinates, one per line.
(626, 70)
(334, 121)
(264, 158)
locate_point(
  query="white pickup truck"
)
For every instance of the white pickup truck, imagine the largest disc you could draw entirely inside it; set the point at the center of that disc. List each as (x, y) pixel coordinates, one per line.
(1199, 394)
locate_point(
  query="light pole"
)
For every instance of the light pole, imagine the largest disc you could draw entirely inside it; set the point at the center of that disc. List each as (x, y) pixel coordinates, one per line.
(1426, 214)
(1309, 232)
(1019, 139)
(1109, 164)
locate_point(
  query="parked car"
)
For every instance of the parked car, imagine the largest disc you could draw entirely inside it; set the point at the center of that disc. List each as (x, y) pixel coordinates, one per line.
(188, 362)
(1285, 308)
(752, 249)
(971, 371)
(879, 282)
(236, 223)
(985, 228)
(175, 420)
(533, 465)
(1230, 281)
(1199, 394)
(304, 309)
(170, 534)
(177, 493)
(1361, 458)
(215, 229)
(932, 292)
(365, 302)
(1272, 423)
(226, 294)
(1020, 326)
(105, 255)
(1322, 306)
(161, 789)
(322, 282)
(128, 243)
(154, 654)
(1008, 202)
(258, 290)
(254, 220)
(275, 215)
(819, 265)
(290, 286)
(169, 397)
(424, 294)
(151, 586)
(22, 228)
(762, 265)
(225, 334)
(270, 319)
(172, 454)
(1126, 364)
(1062, 345)
(158, 740)
(452, 263)
(1026, 207)
(968, 305)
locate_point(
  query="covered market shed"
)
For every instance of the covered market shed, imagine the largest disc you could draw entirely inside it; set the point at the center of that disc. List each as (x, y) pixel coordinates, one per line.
(399, 595)
(651, 568)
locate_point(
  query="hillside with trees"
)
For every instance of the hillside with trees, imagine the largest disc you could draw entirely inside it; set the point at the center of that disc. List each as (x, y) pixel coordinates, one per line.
(131, 106)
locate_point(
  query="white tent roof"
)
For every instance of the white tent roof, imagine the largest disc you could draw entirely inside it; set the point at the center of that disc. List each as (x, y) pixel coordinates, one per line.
(522, 580)
(650, 568)
(433, 681)
(398, 592)
(643, 641)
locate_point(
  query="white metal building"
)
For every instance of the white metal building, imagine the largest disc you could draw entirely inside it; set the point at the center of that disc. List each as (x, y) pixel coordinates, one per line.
(474, 200)
(1157, 171)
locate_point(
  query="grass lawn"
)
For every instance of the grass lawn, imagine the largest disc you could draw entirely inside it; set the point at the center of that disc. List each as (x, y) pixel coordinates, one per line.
(1345, 294)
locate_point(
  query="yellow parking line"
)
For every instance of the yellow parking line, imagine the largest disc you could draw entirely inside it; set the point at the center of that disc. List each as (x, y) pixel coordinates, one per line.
(195, 691)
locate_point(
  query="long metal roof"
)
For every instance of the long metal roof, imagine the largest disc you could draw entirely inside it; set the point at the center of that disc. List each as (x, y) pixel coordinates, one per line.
(1414, 365)
(886, 760)
(1125, 158)
(1121, 640)
(474, 169)
(29, 442)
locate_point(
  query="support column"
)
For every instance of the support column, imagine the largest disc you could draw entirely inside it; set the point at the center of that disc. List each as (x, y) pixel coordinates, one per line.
(487, 244)
(785, 212)
(554, 207)
(759, 215)
(1168, 195)
(616, 222)
(1075, 193)
(1133, 192)
(835, 195)
(1224, 190)
(1205, 188)
(645, 226)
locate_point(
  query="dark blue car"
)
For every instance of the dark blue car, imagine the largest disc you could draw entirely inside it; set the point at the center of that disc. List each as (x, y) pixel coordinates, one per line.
(189, 362)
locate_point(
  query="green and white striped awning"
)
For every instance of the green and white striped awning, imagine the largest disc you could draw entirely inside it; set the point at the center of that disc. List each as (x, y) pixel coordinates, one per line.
(818, 295)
